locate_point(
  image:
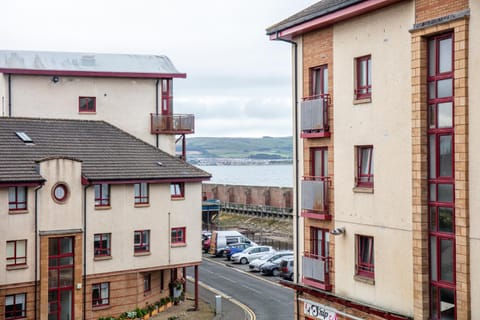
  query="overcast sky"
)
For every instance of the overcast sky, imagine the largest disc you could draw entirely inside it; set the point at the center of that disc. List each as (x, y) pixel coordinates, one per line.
(238, 82)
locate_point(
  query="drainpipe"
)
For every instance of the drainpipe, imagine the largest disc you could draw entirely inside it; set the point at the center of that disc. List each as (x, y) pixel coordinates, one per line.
(156, 106)
(296, 152)
(36, 253)
(84, 285)
(9, 95)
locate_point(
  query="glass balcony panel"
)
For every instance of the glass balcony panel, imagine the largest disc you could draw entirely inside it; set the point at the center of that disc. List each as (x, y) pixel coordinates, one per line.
(314, 195)
(172, 124)
(314, 117)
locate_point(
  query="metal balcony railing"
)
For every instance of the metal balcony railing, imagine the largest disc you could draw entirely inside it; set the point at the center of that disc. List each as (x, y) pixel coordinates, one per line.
(317, 268)
(315, 197)
(172, 124)
(314, 116)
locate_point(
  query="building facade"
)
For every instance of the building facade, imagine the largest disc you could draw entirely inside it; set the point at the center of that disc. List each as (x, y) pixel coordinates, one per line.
(385, 166)
(96, 219)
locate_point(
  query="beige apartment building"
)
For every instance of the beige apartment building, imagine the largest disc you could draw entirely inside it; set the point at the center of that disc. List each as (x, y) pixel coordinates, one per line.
(98, 216)
(385, 160)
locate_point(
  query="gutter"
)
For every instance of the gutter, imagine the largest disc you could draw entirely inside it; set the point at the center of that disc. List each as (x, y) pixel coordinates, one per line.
(9, 95)
(35, 308)
(156, 108)
(295, 124)
(85, 251)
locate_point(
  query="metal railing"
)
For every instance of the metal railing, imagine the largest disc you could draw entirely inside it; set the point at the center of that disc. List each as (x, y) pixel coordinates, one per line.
(172, 124)
(316, 267)
(257, 210)
(314, 114)
(315, 194)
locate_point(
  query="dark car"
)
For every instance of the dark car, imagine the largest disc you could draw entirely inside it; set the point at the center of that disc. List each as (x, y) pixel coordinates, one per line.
(286, 269)
(272, 268)
(234, 248)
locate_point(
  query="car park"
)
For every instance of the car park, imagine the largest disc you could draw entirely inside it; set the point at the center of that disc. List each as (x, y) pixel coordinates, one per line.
(251, 254)
(286, 268)
(272, 268)
(221, 239)
(255, 265)
(235, 248)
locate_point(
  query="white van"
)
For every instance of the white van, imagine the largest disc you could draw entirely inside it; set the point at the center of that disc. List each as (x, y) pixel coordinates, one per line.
(221, 239)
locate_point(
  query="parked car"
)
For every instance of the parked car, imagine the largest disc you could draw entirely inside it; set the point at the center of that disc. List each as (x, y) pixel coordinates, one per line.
(255, 265)
(235, 248)
(286, 268)
(221, 239)
(206, 239)
(272, 268)
(251, 254)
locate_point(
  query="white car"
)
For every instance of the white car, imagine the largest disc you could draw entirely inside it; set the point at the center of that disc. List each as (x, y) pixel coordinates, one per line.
(255, 265)
(252, 253)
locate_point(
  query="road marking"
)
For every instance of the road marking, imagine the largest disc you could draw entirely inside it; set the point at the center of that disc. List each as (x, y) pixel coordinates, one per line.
(228, 279)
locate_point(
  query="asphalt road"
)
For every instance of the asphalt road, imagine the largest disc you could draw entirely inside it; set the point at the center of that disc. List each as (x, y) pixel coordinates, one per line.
(267, 299)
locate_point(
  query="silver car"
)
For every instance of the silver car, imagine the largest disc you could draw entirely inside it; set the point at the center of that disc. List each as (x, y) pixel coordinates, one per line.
(257, 264)
(251, 254)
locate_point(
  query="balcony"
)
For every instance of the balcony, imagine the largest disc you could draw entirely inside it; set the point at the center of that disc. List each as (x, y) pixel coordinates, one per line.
(172, 124)
(314, 115)
(316, 271)
(315, 198)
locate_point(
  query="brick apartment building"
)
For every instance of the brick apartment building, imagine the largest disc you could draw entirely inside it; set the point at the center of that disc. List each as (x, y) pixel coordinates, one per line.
(97, 214)
(385, 159)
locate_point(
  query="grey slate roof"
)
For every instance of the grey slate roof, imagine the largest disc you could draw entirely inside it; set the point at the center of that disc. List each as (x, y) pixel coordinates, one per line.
(316, 10)
(107, 153)
(87, 62)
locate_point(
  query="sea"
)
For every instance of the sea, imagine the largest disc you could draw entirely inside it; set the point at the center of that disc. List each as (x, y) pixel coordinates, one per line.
(252, 175)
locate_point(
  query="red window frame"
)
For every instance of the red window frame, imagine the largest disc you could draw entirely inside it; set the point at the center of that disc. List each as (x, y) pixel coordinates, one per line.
(101, 250)
(178, 235)
(363, 83)
(319, 80)
(147, 282)
(87, 104)
(141, 193)
(167, 97)
(365, 265)
(14, 204)
(319, 247)
(143, 245)
(323, 166)
(17, 259)
(102, 195)
(365, 177)
(16, 313)
(177, 190)
(100, 300)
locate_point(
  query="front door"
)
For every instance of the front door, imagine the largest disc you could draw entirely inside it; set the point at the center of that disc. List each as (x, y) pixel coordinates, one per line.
(60, 278)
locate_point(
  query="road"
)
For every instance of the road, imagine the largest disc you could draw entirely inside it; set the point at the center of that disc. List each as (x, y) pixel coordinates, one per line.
(267, 299)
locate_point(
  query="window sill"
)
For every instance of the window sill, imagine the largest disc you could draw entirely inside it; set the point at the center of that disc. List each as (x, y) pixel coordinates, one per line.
(177, 198)
(98, 308)
(177, 245)
(19, 267)
(17, 211)
(362, 100)
(142, 205)
(87, 112)
(103, 207)
(101, 258)
(364, 279)
(363, 189)
(141, 254)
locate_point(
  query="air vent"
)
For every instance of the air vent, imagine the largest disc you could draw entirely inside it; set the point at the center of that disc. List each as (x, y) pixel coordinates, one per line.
(24, 137)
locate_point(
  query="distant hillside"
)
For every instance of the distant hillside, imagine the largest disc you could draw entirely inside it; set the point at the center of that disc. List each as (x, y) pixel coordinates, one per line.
(266, 148)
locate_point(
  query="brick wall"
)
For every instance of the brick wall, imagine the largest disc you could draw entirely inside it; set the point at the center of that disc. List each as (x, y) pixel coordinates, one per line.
(429, 9)
(28, 288)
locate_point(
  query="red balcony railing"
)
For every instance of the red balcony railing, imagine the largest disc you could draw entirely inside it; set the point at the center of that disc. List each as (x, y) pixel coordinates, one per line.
(172, 124)
(316, 271)
(315, 191)
(314, 116)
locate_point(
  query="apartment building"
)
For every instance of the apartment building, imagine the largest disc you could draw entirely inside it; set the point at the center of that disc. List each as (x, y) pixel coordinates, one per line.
(98, 216)
(384, 167)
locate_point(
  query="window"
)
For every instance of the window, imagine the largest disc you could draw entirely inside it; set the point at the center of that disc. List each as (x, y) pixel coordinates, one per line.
(319, 162)
(147, 282)
(101, 294)
(142, 241)
(319, 242)
(102, 245)
(363, 85)
(102, 195)
(178, 235)
(177, 190)
(141, 193)
(365, 256)
(319, 80)
(16, 306)
(17, 198)
(16, 252)
(365, 166)
(87, 104)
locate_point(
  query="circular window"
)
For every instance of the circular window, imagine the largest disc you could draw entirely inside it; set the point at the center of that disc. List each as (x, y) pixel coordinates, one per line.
(60, 192)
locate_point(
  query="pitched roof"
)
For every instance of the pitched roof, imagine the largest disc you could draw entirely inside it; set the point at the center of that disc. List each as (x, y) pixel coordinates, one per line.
(87, 64)
(107, 153)
(316, 10)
